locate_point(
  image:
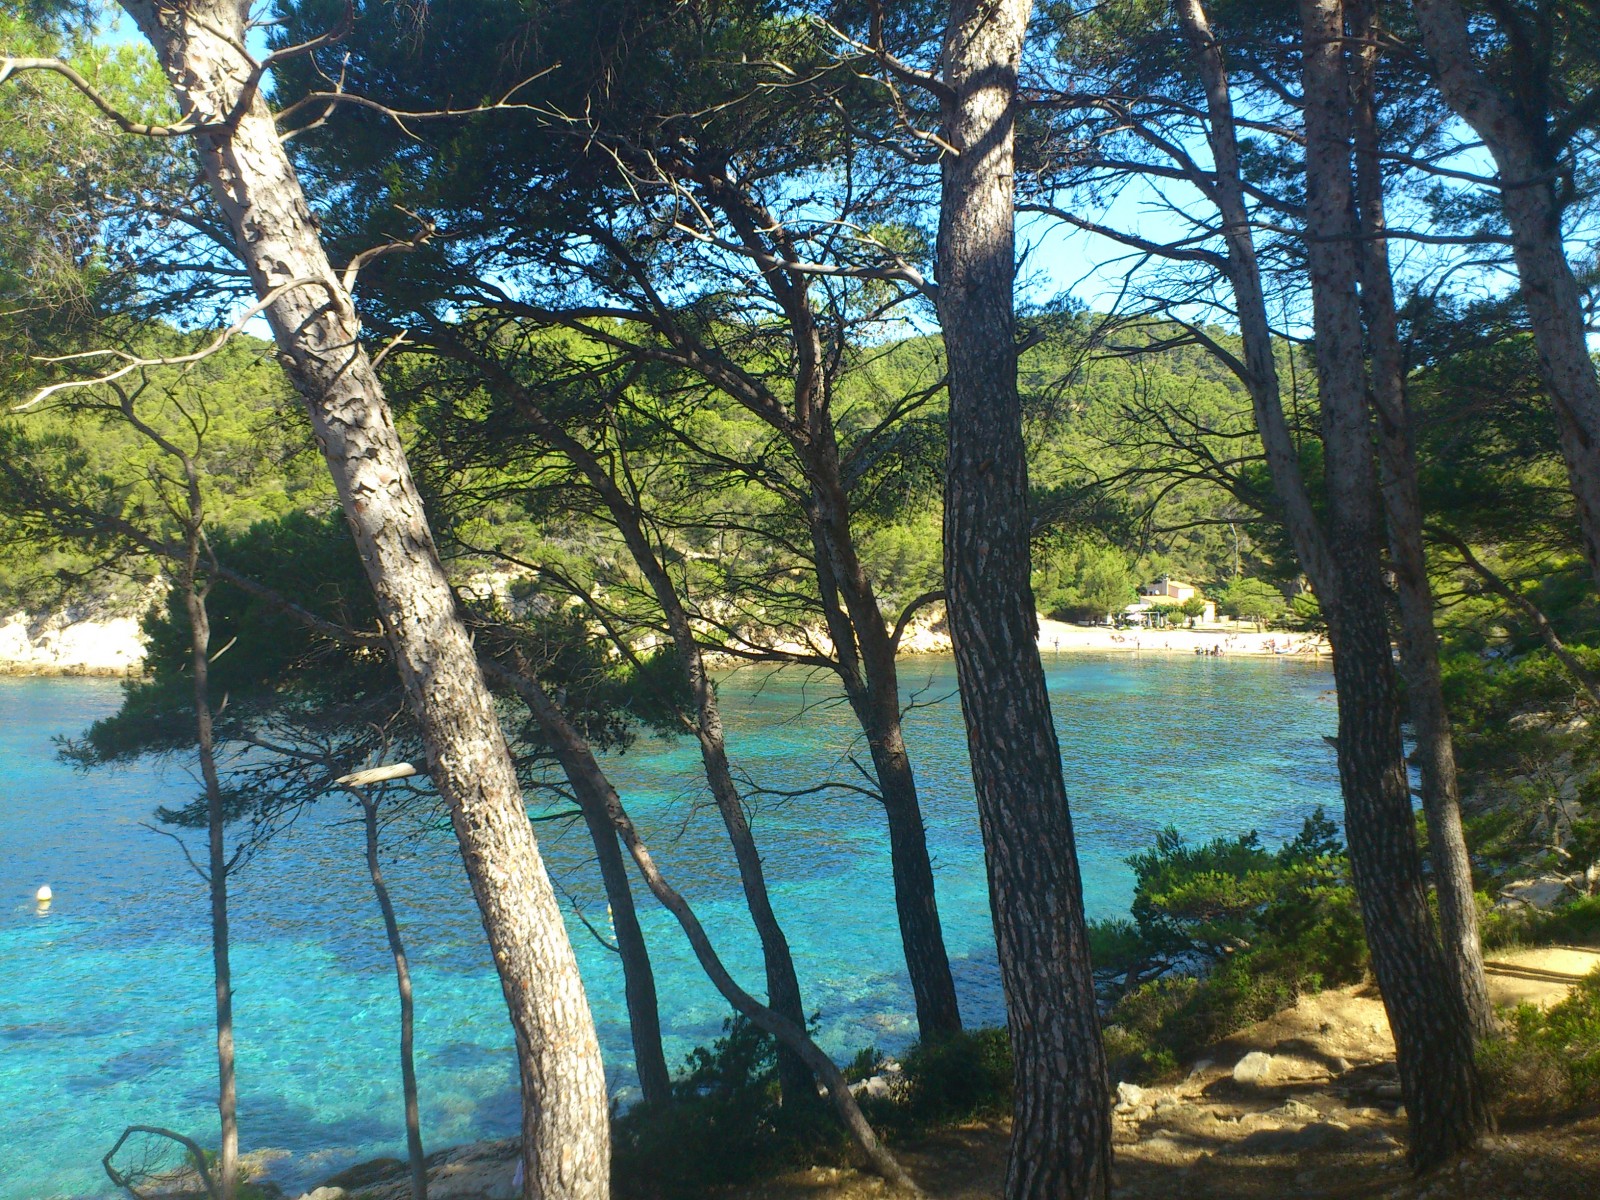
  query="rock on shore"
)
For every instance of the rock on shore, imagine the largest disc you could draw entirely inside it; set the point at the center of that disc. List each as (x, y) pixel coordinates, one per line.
(100, 641)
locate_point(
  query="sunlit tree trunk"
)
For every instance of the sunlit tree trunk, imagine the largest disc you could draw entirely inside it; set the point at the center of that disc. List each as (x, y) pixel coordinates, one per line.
(1445, 1106)
(402, 977)
(1419, 641)
(1529, 175)
(199, 43)
(1061, 1123)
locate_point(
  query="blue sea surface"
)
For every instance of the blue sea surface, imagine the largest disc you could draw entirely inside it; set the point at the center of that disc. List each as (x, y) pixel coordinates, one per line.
(105, 995)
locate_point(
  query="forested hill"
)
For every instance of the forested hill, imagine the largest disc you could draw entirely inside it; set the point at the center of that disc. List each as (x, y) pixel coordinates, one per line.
(75, 472)
(1102, 486)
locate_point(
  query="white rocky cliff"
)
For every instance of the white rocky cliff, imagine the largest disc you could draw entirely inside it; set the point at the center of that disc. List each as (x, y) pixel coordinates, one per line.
(103, 640)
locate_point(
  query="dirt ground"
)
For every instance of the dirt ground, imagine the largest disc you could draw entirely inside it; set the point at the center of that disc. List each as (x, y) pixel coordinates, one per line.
(1318, 1116)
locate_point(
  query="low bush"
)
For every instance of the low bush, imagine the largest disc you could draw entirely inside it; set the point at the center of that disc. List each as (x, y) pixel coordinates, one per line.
(1223, 935)
(956, 1078)
(724, 1125)
(1575, 922)
(1546, 1062)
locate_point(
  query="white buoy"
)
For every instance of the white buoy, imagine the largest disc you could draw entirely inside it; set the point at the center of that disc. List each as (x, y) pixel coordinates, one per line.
(44, 895)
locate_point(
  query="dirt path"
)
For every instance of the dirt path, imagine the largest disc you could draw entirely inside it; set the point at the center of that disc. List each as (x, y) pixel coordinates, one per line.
(1540, 976)
(1306, 1104)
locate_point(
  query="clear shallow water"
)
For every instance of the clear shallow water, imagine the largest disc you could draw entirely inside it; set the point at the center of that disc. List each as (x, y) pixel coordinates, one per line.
(104, 998)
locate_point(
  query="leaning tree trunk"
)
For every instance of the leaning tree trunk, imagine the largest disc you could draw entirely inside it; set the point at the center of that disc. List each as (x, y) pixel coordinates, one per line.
(217, 865)
(1061, 1128)
(566, 1148)
(1529, 175)
(638, 976)
(402, 978)
(1433, 1035)
(916, 905)
(579, 763)
(863, 650)
(864, 658)
(783, 982)
(1419, 641)
(1244, 277)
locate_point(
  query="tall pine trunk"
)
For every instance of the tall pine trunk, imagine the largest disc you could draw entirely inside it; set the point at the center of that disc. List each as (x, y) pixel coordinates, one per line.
(566, 1145)
(416, 1157)
(864, 650)
(864, 657)
(217, 865)
(581, 767)
(1250, 305)
(1419, 641)
(1061, 1127)
(638, 975)
(1529, 174)
(1445, 1106)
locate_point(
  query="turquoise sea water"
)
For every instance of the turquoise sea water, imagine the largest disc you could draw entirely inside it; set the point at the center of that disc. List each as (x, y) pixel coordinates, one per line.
(105, 1015)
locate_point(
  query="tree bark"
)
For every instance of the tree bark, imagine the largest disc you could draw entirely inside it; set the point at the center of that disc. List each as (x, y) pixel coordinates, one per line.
(865, 661)
(402, 978)
(1529, 174)
(1244, 277)
(217, 865)
(864, 651)
(1445, 1106)
(566, 1147)
(1061, 1127)
(1419, 643)
(587, 776)
(639, 981)
(638, 976)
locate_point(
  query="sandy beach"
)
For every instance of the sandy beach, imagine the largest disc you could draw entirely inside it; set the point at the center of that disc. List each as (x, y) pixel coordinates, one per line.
(1059, 636)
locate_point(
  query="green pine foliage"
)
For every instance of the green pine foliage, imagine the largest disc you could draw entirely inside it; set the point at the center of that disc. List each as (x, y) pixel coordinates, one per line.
(1222, 935)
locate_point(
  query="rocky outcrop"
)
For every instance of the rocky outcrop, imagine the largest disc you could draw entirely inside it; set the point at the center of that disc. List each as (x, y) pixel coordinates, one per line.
(74, 641)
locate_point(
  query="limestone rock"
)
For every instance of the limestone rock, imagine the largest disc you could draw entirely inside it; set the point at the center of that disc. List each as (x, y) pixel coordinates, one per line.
(874, 1087)
(1294, 1110)
(1254, 1069)
(1541, 893)
(1129, 1097)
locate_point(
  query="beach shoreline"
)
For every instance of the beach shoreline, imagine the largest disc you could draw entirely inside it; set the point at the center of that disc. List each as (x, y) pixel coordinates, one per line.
(1219, 640)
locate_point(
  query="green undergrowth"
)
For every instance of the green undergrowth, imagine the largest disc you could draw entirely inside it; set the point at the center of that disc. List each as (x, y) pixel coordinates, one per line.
(1223, 935)
(1547, 1062)
(727, 1124)
(1575, 923)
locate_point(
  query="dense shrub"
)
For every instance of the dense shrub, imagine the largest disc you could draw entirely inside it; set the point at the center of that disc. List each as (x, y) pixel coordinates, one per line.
(1223, 935)
(958, 1077)
(1576, 922)
(724, 1124)
(1548, 1062)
